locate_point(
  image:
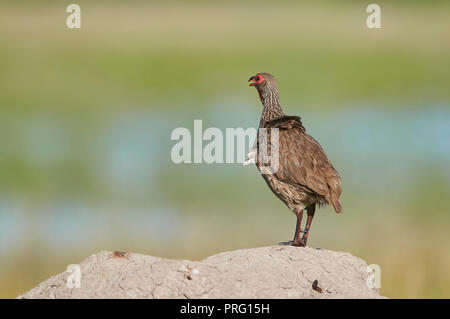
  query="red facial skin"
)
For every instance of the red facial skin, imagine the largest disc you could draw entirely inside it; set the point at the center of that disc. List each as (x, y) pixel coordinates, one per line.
(258, 79)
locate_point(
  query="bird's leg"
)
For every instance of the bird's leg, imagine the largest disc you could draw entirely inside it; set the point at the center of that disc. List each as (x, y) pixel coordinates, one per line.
(310, 210)
(297, 241)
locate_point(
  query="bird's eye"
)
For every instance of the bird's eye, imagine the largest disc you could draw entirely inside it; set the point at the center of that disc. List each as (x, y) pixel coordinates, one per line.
(258, 78)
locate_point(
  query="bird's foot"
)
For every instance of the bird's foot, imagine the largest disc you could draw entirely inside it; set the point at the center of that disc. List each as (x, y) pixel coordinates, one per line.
(299, 243)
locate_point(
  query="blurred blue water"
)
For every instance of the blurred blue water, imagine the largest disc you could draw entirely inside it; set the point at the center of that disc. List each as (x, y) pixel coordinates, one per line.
(371, 146)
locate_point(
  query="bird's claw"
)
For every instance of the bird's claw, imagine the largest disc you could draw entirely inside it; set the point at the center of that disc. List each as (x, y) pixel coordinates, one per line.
(300, 243)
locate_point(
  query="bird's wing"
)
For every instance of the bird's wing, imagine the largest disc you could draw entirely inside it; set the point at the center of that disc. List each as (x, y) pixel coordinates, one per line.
(302, 160)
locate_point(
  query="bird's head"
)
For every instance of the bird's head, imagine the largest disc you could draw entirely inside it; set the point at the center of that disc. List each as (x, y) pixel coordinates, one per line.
(265, 83)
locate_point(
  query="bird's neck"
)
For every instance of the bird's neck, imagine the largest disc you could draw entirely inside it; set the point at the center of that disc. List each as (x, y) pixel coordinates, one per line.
(272, 108)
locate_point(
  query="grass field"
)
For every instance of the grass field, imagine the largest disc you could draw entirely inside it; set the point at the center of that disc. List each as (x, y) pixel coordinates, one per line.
(86, 116)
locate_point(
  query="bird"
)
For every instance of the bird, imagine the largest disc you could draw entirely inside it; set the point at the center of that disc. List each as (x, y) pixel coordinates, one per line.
(304, 177)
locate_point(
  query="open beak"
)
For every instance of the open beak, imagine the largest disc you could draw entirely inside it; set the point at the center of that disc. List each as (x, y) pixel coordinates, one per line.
(251, 79)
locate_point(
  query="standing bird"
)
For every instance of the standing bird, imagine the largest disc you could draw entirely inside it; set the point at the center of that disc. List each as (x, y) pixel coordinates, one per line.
(305, 176)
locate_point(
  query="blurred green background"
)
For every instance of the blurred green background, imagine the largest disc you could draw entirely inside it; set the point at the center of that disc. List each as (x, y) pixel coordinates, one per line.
(86, 117)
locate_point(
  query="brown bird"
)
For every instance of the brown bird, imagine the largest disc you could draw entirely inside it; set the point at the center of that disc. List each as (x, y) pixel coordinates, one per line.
(304, 177)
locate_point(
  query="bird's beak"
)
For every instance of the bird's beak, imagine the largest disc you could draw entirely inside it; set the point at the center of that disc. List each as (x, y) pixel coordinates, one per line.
(251, 79)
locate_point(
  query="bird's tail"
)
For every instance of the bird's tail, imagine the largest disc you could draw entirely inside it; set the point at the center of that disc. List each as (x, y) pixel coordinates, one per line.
(335, 190)
(336, 204)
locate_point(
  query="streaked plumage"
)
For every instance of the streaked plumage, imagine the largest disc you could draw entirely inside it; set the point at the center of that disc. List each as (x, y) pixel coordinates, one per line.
(305, 177)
